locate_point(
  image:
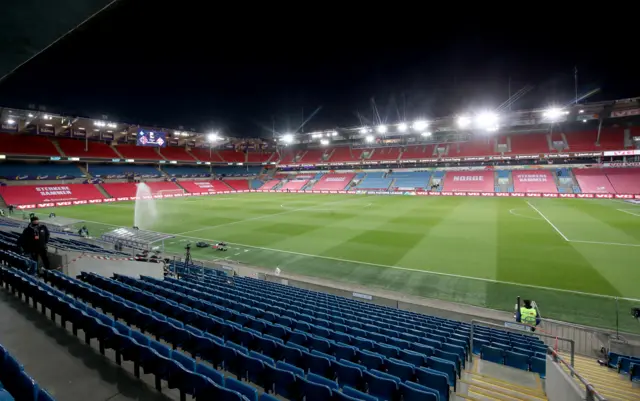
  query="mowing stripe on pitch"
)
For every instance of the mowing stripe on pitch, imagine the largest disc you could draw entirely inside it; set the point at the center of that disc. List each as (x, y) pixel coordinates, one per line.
(548, 221)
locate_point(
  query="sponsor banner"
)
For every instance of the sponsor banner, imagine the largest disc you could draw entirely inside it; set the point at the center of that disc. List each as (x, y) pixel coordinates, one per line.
(6, 127)
(631, 152)
(623, 196)
(625, 113)
(567, 195)
(41, 205)
(66, 203)
(44, 130)
(109, 200)
(125, 198)
(26, 207)
(95, 200)
(621, 165)
(151, 138)
(80, 202)
(76, 133)
(363, 296)
(603, 196)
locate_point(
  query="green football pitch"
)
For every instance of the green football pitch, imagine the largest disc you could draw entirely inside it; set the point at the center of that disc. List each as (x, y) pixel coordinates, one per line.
(579, 259)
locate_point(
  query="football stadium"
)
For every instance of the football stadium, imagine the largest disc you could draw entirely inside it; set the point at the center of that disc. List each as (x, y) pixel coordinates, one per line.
(357, 263)
(300, 244)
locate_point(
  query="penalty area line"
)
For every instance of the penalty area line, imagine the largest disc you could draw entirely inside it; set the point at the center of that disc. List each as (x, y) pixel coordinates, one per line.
(548, 221)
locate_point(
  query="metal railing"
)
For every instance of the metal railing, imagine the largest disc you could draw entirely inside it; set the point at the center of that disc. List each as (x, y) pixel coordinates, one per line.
(591, 393)
(520, 329)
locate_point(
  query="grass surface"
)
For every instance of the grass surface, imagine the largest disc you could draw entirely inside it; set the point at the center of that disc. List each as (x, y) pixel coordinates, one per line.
(480, 251)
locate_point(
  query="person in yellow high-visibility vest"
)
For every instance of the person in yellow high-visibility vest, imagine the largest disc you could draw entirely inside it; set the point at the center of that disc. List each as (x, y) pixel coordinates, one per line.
(528, 314)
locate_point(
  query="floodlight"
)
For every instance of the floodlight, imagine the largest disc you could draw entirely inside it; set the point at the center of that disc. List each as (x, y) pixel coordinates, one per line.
(426, 133)
(581, 111)
(334, 133)
(324, 142)
(30, 115)
(287, 138)
(463, 121)
(11, 121)
(553, 113)
(212, 137)
(364, 130)
(487, 120)
(369, 138)
(381, 128)
(96, 123)
(47, 117)
(420, 125)
(112, 125)
(402, 127)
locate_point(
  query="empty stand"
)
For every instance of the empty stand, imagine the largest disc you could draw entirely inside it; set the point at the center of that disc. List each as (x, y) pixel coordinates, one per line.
(205, 186)
(186, 171)
(232, 156)
(238, 185)
(122, 170)
(288, 156)
(529, 144)
(534, 181)
(385, 154)
(375, 181)
(244, 171)
(483, 146)
(480, 181)
(333, 182)
(33, 194)
(259, 157)
(206, 155)
(295, 184)
(612, 138)
(593, 181)
(23, 171)
(410, 180)
(270, 184)
(176, 153)
(624, 180)
(138, 152)
(417, 152)
(312, 156)
(343, 155)
(582, 141)
(13, 144)
(76, 148)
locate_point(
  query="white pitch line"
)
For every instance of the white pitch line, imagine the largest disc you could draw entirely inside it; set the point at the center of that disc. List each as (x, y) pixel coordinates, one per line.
(548, 221)
(628, 212)
(522, 215)
(268, 215)
(604, 243)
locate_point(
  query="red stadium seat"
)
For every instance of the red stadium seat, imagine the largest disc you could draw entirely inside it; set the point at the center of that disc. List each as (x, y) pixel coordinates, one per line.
(296, 184)
(34, 194)
(612, 138)
(270, 184)
(593, 181)
(205, 186)
(624, 180)
(238, 185)
(534, 181)
(206, 155)
(527, 144)
(76, 148)
(232, 156)
(384, 154)
(312, 156)
(14, 144)
(344, 155)
(333, 182)
(127, 189)
(475, 181)
(484, 146)
(583, 141)
(260, 157)
(418, 152)
(138, 152)
(176, 153)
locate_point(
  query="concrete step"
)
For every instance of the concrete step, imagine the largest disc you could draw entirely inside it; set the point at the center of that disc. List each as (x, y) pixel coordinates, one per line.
(498, 374)
(501, 389)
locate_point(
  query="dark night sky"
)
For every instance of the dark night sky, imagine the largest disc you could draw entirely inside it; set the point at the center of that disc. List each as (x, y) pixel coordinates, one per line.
(233, 66)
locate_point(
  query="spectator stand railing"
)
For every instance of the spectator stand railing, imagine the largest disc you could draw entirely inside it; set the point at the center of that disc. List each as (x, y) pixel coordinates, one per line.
(21, 262)
(591, 394)
(520, 328)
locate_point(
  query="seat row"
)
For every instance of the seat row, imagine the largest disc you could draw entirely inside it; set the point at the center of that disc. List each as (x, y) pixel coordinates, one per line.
(247, 353)
(152, 356)
(513, 359)
(15, 383)
(364, 336)
(625, 364)
(432, 331)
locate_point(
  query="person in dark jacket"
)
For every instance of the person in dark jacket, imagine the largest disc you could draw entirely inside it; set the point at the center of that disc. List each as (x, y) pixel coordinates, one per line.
(34, 241)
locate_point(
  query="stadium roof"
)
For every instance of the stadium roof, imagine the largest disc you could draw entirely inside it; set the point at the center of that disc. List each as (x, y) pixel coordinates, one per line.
(29, 26)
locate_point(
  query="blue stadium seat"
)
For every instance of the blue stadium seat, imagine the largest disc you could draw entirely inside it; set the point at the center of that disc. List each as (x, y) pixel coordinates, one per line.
(349, 374)
(516, 360)
(314, 378)
(436, 380)
(539, 365)
(416, 392)
(400, 369)
(492, 354)
(235, 385)
(357, 395)
(382, 388)
(312, 391)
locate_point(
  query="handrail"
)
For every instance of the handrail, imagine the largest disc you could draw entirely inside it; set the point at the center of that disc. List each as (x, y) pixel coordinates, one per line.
(530, 333)
(592, 393)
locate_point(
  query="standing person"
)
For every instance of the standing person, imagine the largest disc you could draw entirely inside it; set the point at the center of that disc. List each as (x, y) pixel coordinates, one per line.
(34, 241)
(528, 314)
(10, 209)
